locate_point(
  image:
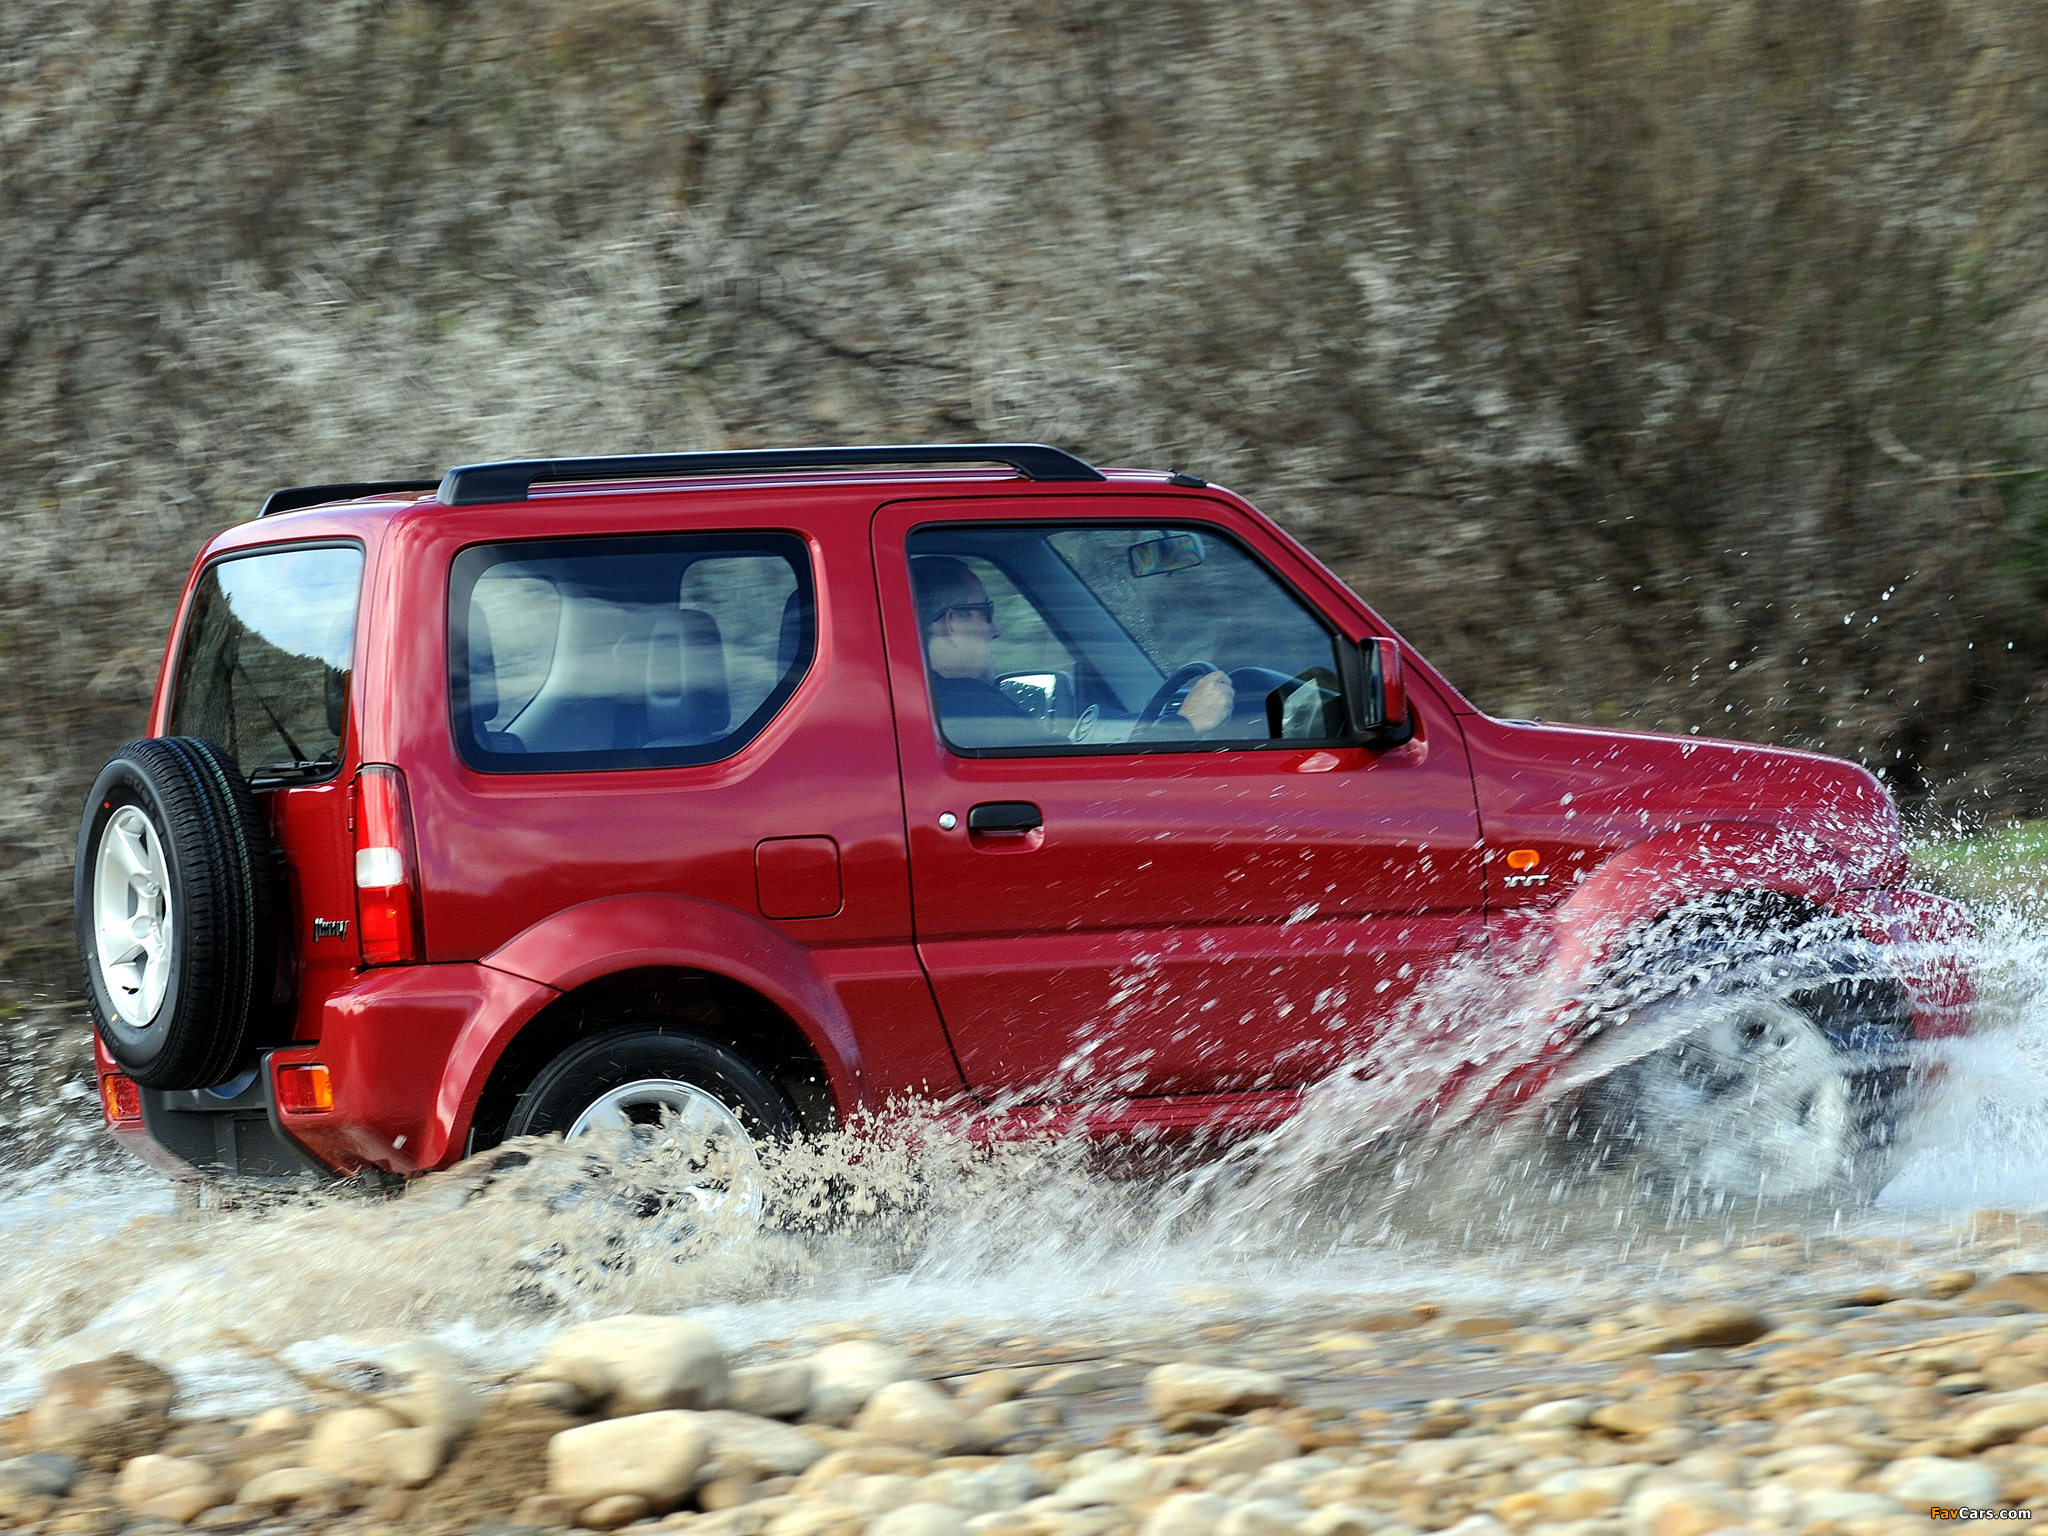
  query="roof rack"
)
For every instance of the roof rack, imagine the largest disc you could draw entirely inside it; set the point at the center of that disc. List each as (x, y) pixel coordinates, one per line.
(480, 484)
(315, 495)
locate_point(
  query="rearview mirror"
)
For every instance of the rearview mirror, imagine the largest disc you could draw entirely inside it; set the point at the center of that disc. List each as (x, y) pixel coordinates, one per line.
(1174, 552)
(1376, 692)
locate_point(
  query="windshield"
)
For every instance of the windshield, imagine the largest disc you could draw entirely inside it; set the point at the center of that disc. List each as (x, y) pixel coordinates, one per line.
(265, 662)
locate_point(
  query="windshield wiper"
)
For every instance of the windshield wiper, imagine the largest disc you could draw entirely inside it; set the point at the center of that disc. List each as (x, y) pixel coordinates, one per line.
(307, 767)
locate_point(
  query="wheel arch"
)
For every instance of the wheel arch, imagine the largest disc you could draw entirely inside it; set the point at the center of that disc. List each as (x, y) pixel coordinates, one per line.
(716, 971)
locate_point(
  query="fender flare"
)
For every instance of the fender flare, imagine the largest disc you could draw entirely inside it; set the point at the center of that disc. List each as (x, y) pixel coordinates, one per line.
(1687, 864)
(601, 938)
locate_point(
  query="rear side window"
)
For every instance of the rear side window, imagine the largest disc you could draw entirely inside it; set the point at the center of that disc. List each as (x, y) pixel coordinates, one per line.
(645, 652)
(263, 667)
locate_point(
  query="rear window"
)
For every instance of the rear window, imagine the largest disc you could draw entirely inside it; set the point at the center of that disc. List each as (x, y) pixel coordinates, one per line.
(264, 665)
(643, 652)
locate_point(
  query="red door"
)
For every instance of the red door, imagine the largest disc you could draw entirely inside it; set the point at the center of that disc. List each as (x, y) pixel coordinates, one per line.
(1155, 912)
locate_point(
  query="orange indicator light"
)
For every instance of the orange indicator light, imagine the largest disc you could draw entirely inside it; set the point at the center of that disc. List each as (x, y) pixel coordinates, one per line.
(1524, 858)
(305, 1090)
(120, 1098)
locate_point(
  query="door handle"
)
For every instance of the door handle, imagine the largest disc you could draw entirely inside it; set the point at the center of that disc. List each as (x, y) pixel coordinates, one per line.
(1005, 816)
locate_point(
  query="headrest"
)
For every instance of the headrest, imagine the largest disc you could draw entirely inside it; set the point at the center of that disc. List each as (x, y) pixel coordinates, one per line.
(688, 702)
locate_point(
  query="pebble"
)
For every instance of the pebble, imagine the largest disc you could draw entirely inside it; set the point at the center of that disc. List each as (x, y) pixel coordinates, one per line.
(778, 1391)
(913, 1413)
(653, 1455)
(1192, 1388)
(168, 1488)
(845, 1375)
(636, 1365)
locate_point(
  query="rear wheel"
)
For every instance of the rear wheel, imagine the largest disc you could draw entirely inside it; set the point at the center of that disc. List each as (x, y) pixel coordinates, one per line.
(1765, 1060)
(678, 1111)
(176, 910)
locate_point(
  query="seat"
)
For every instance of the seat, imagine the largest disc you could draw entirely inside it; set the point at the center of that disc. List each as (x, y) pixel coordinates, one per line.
(483, 687)
(688, 700)
(790, 641)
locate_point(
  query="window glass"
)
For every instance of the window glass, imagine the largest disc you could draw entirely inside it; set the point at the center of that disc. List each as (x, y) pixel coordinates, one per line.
(625, 652)
(1076, 637)
(264, 665)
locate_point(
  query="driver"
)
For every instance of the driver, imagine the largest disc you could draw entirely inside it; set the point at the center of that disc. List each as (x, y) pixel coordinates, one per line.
(960, 631)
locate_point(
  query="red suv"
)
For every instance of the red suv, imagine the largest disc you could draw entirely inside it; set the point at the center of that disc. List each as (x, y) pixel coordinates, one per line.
(746, 790)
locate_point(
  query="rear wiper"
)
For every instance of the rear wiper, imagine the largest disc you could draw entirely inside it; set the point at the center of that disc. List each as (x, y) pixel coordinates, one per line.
(305, 767)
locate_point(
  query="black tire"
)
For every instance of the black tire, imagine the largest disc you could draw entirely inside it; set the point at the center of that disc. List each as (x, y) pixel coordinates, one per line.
(1798, 1052)
(222, 907)
(631, 1053)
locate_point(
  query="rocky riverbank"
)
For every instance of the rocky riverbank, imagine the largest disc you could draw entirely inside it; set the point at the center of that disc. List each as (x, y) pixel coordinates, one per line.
(1861, 1410)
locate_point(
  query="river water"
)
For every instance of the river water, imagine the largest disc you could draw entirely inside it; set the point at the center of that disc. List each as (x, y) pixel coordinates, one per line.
(905, 1226)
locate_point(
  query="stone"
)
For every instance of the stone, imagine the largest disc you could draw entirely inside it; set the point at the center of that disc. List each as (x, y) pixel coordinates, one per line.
(1640, 1415)
(1824, 1425)
(1559, 1413)
(1068, 1381)
(290, 1485)
(1004, 1421)
(921, 1520)
(636, 1365)
(41, 1474)
(1951, 1282)
(2001, 1423)
(1585, 1492)
(988, 1388)
(654, 1455)
(1189, 1514)
(1714, 1327)
(410, 1457)
(765, 1447)
(1686, 1509)
(913, 1413)
(1838, 1507)
(557, 1396)
(980, 1490)
(436, 1397)
(170, 1488)
(286, 1423)
(538, 1511)
(1248, 1450)
(1342, 1520)
(1190, 1388)
(1262, 1517)
(781, 1390)
(103, 1411)
(343, 1443)
(1945, 1480)
(1121, 1482)
(2029, 1288)
(608, 1514)
(845, 1375)
(2014, 1373)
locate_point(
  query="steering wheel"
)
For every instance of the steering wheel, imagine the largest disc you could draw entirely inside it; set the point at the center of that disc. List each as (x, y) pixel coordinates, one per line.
(1182, 680)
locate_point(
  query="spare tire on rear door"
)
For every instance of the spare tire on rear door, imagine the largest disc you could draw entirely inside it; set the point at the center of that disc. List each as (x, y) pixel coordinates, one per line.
(176, 898)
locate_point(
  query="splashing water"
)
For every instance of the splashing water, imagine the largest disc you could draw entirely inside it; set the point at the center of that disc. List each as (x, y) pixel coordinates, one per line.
(1399, 1177)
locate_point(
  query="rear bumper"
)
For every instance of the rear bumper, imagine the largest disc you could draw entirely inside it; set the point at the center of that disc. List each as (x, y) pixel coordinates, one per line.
(407, 1050)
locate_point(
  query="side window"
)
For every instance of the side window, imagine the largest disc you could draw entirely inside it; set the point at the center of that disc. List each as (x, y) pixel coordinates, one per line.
(263, 666)
(648, 652)
(1086, 638)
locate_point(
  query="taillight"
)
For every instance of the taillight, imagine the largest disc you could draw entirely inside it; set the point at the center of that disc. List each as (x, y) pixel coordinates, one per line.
(120, 1098)
(306, 1090)
(387, 869)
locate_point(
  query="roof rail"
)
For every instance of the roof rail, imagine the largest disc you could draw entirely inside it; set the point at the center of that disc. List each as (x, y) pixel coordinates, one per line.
(315, 495)
(480, 484)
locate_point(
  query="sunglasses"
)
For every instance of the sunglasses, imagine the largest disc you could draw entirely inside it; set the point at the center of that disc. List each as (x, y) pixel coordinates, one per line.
(987, 611)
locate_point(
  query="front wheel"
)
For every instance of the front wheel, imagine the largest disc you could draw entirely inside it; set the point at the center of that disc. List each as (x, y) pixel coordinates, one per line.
(683, 1116)
(1777, 1072)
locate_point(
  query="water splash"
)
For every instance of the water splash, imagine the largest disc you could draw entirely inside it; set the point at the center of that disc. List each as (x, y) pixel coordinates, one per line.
(1393, 1181)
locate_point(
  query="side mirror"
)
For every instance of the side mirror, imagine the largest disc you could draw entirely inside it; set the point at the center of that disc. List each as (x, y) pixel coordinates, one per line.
(1376, 694)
